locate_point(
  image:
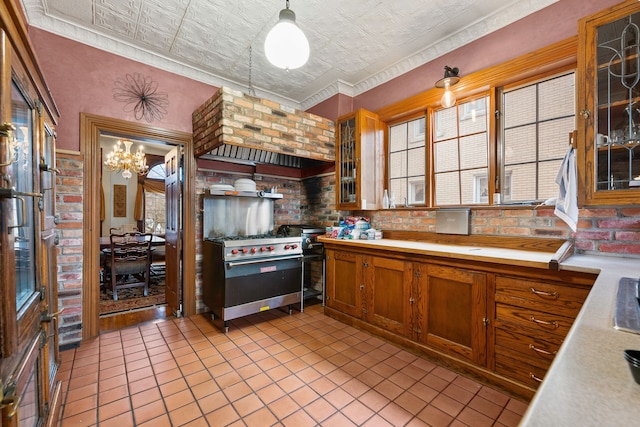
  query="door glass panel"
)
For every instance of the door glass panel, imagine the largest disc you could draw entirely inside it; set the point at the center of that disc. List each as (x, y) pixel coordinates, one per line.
(28, 412)
(22, 222)
(617, 164)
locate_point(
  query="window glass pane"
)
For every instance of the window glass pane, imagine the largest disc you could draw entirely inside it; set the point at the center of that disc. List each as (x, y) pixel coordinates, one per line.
(447, 188)
(464, 151)
(554, 138)
(521, 105)
(446, 125)
(473, 151)
(407, 162)
(547, 187)
(475, 186)
(23, 221)
(398, 164)
(417, 191)
(520, 145)
(473, 117)
(399, 188)
(155, 211)
(557, 97)
(538, 119)
(446, 156)
(416, 161)
(398, 137)
(522, 187)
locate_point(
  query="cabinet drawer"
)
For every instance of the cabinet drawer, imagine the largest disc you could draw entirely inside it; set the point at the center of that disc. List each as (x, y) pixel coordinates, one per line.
(524, 373)
(542, 296)
(527, 349)
(536, 320)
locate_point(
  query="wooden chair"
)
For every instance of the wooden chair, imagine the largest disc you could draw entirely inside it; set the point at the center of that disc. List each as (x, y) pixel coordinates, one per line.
(129, 261)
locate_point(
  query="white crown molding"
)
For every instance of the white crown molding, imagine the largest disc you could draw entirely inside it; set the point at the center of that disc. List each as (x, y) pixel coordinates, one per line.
(39, 18)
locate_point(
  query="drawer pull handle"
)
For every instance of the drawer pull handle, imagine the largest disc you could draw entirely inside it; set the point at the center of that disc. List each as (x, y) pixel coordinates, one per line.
(544, 322)
(542, 351)
(535, 378)
(554, 295)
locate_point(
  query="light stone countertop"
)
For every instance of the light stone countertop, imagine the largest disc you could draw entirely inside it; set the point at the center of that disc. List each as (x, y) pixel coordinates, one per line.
(589, 382)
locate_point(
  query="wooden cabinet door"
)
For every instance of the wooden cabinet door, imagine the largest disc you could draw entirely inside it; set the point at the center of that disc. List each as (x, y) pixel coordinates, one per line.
(609, 119)
(387, 292)
(344, 285)
(456, 311)
(359, 161)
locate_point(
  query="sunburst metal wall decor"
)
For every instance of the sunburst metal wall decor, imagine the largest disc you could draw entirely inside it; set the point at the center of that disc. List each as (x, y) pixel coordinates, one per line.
(140, 95)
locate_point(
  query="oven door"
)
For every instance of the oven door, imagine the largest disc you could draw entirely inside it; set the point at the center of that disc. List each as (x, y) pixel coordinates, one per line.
(256, 280)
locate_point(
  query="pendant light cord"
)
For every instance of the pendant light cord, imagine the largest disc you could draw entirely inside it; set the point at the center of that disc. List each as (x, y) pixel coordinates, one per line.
(251, 91)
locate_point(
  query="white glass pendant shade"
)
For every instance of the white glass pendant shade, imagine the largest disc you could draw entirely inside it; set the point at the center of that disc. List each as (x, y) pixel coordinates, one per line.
(448, 98)
(286, 46)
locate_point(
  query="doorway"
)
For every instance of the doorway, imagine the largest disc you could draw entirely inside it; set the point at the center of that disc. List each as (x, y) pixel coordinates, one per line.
(92, 129)
(133, 203)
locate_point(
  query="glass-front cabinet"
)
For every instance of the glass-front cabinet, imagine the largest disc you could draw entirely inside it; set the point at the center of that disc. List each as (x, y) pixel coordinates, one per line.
(359, 161)
(609, 106)
(29, 359)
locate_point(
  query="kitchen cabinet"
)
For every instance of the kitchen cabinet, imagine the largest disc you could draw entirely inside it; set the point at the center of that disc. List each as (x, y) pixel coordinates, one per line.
(532, 319)
(455, 307)
(387, 293)
(498, 321)
(360, 162)
(440, 306)
(608, 105)
(29, 357)
(344, 282)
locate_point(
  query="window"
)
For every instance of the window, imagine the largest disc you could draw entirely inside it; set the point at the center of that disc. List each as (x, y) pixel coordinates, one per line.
(460, 148)
(154, 200)
(537, 121)
(407, 162)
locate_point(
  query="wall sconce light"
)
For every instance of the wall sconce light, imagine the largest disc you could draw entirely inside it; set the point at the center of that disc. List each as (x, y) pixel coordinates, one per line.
(450, 78)
(286, 46)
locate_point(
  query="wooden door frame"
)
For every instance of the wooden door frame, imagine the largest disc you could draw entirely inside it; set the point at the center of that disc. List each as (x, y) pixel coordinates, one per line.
(91, 127)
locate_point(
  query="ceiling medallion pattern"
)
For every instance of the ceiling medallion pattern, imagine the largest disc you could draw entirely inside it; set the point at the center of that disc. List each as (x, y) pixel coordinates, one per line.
(140, 95)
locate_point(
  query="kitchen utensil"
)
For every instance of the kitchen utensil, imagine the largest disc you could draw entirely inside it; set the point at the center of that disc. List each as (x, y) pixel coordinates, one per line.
(633, 358)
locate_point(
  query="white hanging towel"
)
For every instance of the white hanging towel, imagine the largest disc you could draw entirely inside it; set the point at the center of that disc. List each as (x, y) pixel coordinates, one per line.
(567, 201)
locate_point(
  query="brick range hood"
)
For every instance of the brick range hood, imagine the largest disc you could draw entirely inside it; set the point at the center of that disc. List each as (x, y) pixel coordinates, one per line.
(234, 126)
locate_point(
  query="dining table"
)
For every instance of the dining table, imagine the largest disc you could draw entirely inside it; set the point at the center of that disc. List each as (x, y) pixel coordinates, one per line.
(105, 241)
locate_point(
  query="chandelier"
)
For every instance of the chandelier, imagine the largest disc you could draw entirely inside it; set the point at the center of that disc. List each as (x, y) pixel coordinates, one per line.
(125, 161)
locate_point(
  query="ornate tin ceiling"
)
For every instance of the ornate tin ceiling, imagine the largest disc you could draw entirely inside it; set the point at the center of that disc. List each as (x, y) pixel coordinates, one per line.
(355, 45)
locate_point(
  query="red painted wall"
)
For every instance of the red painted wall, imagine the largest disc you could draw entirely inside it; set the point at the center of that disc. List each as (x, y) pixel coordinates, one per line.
(552, 24)
(82, 79)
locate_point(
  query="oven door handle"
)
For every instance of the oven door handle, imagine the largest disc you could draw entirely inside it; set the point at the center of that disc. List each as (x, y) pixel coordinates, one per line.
(232, 264)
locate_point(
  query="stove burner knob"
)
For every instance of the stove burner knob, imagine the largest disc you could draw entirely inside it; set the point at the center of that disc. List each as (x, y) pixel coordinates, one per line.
(263, 249)
(234, 251)
(294, 246)
(272, 248)
(286, 247)
(254, 250)
(245, 250)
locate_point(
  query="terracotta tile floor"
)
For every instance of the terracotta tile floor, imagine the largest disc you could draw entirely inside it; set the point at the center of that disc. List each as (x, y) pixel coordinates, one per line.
(270, 369)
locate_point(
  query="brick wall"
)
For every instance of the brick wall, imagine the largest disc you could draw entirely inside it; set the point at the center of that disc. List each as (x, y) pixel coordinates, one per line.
(232, 117)
(603, 231)
(69, 207)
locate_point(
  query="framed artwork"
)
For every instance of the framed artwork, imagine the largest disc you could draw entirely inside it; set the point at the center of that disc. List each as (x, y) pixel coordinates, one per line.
(119, 201)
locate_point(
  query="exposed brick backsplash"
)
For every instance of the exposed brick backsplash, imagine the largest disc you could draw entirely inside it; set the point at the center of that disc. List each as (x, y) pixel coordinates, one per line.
(233, 117)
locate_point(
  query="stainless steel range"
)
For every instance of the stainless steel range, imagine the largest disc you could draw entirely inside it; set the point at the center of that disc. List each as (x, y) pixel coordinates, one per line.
(245, 274)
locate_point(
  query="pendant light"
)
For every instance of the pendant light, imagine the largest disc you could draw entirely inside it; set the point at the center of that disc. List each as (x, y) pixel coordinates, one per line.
(286, 46)
(450, 78)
